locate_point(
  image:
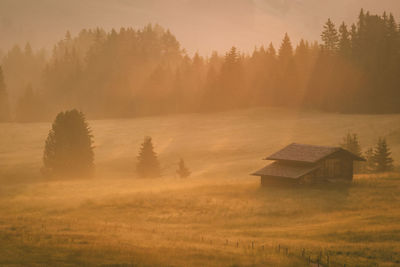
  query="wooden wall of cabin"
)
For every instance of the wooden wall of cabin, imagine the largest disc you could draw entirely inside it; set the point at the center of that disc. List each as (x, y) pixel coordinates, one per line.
(336, 167)
(347, 169)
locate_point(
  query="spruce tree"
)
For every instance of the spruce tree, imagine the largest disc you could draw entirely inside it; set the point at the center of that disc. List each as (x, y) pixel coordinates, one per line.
(232, 57)
(344, 41)
(382, 156)
(369, 165)
(4, 105)
(68, 149)
(361, 24)
(182, 171)
(271, 50)
(352, 144)
(148, 165)
(285, 52)
(330, 36)
(231, 80)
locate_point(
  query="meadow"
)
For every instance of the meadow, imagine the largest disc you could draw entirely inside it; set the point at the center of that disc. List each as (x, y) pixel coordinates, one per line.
(220, 216)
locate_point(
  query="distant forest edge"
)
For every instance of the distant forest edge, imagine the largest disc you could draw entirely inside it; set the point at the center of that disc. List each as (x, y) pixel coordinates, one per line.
(127, 73)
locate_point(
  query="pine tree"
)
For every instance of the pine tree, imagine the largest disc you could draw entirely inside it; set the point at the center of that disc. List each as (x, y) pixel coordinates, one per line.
(369, 157)
(286, 49)
(354, 39)
(231, 80)
(382, 156)
(344, 41)
(361, 21)
(68, 148)
(182, 171)
(330, 36)
(4, 105)
(148, 165)
(352, 144)
(232, 56)
(392, 41)
(302, 49)
(271, 51)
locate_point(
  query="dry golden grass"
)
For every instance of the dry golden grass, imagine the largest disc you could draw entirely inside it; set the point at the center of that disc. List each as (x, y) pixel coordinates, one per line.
(116, 219)
(182, 223)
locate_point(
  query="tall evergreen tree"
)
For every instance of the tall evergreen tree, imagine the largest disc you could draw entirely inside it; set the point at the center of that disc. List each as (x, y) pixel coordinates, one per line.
(232, 57)
(271, 50)
(231, 80)
(361, 21)
(4, 104)
(286, 91)
(369, 165)
(182, 170)
(392, 41)
(286, 50)
(68, 149)
(352, 144)
(330, 36)
(302, 49)
(382, 156)
(148, 165)
(344, 41)
(353, 38)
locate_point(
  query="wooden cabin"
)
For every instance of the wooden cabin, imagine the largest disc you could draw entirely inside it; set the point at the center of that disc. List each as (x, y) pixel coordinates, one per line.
(299, 163)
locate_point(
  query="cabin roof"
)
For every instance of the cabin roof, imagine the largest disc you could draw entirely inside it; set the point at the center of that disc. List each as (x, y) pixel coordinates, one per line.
(279, 169)
(308, 153)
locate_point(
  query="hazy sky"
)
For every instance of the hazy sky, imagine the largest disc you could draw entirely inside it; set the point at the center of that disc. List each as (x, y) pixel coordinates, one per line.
(200, 25)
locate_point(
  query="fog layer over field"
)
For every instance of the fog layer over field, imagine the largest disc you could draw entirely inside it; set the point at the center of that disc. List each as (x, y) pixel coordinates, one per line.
(220, 216)
(230, 144)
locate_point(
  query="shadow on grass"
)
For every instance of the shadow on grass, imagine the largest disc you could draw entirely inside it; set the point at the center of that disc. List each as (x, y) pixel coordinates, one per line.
(317, 197)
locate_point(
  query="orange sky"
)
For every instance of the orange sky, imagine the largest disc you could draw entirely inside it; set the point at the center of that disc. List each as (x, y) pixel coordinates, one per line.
(200, 25)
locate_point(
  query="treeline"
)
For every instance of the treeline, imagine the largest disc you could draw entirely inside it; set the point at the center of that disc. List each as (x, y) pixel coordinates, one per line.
(132, 72)
(357, 67)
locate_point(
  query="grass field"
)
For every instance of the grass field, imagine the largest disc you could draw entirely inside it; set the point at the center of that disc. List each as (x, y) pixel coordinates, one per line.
(220, 216)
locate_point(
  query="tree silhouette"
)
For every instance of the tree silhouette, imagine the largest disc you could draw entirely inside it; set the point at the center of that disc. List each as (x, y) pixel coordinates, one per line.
(369, 157)
(351, 143)
(344, 45)
(148, 165)
(271, 51)
(287, 78)
(4, 106)
(330, 36)
(285, 52)
(382, 156)
(231, 80)
(182, 171)
(68, 148)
